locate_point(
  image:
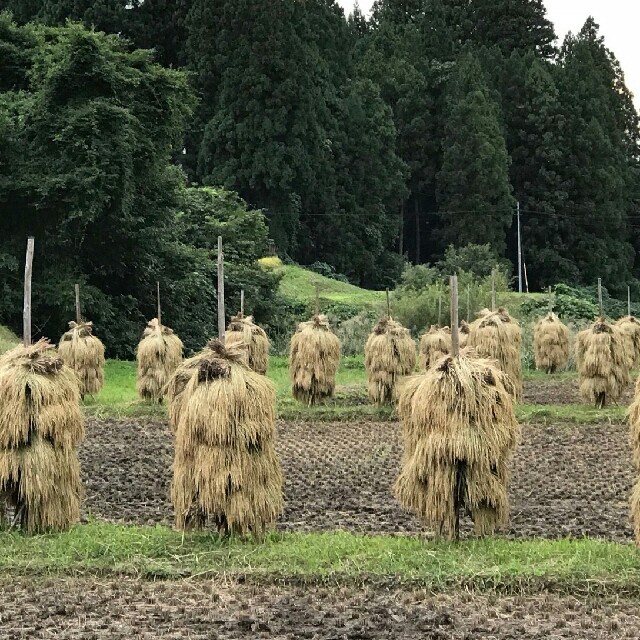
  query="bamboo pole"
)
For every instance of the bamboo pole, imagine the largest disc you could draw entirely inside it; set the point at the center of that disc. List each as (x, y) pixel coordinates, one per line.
(468, 304)
(159, 305)
(600, 306)
(388, 306)
(78, 310)
(242, 303)
(440, 310)
(221, 315)
(629, 301)
(26, 312)
(317, 307)
(550, 300)
(493, 289)
(455, 335)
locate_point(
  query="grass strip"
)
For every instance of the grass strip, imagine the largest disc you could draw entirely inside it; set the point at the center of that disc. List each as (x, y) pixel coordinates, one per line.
(566, 566)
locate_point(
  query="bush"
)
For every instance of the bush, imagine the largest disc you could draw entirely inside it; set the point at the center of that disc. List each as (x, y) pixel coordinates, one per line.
(328, 271)
(479, 260)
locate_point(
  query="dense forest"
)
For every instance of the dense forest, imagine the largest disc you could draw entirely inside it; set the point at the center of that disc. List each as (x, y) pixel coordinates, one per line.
(133, 131)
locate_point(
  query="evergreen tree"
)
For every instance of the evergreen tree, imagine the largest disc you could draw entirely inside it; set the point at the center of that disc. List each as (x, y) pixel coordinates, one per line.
(600, 136)
(510, 25)
(534, 123)
(265, 111)
(474, 194)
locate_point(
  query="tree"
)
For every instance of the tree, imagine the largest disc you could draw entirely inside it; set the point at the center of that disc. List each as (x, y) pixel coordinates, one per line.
(600, 136)
(89, 140)
(272, 148)
(474, 194)
(534, 124)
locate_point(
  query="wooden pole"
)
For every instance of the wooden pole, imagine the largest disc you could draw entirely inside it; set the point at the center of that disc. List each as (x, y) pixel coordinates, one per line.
(455, 335)
(221, 315)
(388, 306)
(526, 280)
(317, 309)
(468, 304)
(159, 306)
(600, 307)
(440, 310)
(493, 290)
(26, 312)
(242, 303)
(78, 310)
(629, 301)
(550, 300)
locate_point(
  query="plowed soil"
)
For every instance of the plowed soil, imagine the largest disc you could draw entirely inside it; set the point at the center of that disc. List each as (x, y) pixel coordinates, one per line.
(559, 391)
(567, 479)
(127, 608)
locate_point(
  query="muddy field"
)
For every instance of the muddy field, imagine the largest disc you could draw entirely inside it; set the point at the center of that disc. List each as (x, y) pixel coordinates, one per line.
(567, 479)
(128, 608)
(555, 391)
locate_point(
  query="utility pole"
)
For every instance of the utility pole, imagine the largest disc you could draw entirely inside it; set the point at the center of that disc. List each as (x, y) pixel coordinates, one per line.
(519, 251)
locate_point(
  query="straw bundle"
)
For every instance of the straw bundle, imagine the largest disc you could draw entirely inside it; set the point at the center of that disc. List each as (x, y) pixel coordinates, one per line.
(496, 336)
(242, 329)
(389, 355)
(84, 353)
(40, 426)
(633, 416)
(159, 355)
(226, 467)
(630, 328)
(464, 333)
(433, 345)
(314, 357)
(550, 343)
(602, 363)
(459, 434)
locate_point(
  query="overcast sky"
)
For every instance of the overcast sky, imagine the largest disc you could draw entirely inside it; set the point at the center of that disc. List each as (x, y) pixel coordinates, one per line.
(618, 20)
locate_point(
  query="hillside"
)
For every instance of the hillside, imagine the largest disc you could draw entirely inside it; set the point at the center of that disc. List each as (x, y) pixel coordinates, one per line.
(299, 285)
(7, 339)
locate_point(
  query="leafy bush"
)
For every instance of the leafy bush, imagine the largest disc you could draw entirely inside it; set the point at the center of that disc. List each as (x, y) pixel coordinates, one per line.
(328, 271)
(478, 260)
(422, 299)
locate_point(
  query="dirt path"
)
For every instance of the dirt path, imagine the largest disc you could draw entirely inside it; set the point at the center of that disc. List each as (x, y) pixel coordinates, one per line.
(567, 480)
(127, 608)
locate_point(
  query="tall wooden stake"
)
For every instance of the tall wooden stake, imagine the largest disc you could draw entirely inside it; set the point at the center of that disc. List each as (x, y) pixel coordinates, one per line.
(468, 303)
(628, 301)
(317, 309)
(550, 300)
(600, 307)
(388, 306)
(78, 310)
(26, 312)
(493, 290)
(242, 303)
(440, 310)
(526, 280)
(221, 315)
(159, 306)
(455, 335)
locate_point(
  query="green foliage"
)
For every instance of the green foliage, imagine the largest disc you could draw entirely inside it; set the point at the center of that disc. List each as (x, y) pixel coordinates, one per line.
(328, 271)
(478, 260)
(422, 298)
(474, 193)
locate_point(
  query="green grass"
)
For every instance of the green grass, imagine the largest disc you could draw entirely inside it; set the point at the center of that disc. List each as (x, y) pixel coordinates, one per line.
(573, 566)
(8, 339)
(299, 285)
(119, 399)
